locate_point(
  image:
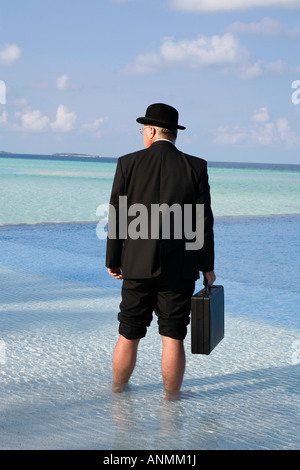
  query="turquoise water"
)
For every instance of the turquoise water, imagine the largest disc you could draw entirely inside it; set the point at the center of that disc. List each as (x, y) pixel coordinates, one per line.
(34, 190)
(58, 317)
(244, 191)
(58, 320)
(52, 191)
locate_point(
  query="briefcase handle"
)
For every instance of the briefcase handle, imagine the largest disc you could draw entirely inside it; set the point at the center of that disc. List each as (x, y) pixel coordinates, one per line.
(207, 287)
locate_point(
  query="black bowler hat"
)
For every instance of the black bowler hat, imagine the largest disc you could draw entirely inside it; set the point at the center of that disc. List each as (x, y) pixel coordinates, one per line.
(161, 115)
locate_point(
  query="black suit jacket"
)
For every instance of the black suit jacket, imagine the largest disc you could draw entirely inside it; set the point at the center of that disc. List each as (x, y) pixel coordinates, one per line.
(157, 175)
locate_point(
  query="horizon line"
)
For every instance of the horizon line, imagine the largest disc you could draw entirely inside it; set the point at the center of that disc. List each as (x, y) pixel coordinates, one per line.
(86, 157)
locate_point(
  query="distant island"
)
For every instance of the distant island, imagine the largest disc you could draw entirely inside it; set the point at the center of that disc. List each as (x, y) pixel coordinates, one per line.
(74, 155)
(95, 158)
(59, 156)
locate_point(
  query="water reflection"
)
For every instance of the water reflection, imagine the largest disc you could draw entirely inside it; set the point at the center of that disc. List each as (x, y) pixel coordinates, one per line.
(128, 420)
(143, 421)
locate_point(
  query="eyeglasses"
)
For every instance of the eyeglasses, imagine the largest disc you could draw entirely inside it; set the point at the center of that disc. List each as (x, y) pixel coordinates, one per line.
(143, 128)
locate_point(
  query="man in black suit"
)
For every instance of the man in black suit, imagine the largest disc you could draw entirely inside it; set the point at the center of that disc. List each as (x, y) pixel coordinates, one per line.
(157, 264)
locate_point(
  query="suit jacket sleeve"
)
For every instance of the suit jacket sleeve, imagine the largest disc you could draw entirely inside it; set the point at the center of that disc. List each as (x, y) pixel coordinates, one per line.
(206, 254)
(114, 243)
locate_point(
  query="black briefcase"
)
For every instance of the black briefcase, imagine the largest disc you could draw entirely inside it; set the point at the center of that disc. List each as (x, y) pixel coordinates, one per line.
(207, 319)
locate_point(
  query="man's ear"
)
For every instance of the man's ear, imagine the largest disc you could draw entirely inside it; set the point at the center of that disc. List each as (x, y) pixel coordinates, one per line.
(153, 132)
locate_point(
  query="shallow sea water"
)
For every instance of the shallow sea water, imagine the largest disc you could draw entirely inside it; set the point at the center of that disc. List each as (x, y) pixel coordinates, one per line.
(58, 317)
(58, 320)
(34, 191)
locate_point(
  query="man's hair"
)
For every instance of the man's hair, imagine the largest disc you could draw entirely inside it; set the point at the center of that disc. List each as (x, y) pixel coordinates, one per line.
(167, 132)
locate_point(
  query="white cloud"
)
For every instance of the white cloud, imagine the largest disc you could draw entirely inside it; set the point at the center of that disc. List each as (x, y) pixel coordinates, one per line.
(3, 118)
(228, 5)
(34, 121)
(214, 51)
(230, 136)
(285, 133)
(261, 115)
(65, 120)
(145, 64)
(9, 53)
(62, 82)
(266, 27)
(262, 131)
(95, 126)
(264, 134)
(202, 52)
(248, 70)
(276, 68)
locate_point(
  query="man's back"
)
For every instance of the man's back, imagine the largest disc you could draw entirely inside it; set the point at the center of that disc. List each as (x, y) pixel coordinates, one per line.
(156, 177)
(161, 174)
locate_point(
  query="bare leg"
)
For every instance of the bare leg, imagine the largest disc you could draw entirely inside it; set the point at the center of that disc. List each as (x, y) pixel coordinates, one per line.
(124, 360)
(172, 364)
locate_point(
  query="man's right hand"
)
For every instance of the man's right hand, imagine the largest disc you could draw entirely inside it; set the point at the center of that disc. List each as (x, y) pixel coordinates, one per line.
(115, 273)
(209, 278)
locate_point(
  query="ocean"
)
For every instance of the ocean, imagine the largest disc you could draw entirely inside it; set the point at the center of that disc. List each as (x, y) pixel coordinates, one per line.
(36, 189)
(58, 318)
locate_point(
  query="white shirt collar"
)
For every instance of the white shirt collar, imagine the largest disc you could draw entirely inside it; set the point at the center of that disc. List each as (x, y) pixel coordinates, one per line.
(166, 140)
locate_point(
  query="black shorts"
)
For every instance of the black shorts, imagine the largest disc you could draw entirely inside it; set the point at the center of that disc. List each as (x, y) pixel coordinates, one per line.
(170, 299)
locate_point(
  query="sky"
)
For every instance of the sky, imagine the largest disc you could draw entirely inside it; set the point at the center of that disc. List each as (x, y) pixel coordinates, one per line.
(75, 75)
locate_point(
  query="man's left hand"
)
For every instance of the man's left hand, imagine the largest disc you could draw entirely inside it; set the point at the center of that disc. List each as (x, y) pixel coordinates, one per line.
(209, 277)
